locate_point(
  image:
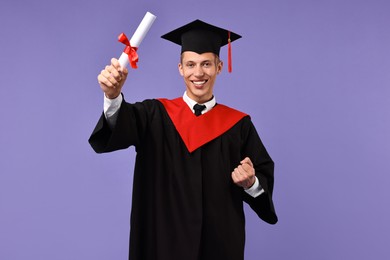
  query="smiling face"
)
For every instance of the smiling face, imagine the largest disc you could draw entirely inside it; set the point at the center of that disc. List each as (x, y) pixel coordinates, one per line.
(199, 72)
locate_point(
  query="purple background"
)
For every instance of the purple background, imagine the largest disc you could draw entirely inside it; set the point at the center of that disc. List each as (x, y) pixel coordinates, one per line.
(314, 75)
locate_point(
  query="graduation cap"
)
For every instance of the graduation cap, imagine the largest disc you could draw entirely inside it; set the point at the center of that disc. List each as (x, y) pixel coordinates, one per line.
(201, 37)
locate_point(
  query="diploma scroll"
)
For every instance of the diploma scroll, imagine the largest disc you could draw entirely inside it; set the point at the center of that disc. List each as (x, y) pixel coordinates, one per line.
(138, 36)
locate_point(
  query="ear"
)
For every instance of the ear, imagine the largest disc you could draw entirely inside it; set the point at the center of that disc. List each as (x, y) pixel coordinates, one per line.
(180, 67)
(219, 67)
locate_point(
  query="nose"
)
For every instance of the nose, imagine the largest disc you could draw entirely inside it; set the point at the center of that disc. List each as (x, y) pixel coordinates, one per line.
(198, 71)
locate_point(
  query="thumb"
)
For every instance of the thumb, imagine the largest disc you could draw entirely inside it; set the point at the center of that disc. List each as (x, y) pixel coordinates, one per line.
(248, 161)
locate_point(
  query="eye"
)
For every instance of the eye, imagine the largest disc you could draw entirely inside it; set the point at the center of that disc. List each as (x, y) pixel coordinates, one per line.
(207, 64)
(190, 65)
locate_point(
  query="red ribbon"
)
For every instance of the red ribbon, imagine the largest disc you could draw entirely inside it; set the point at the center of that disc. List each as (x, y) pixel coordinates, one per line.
(129, 50)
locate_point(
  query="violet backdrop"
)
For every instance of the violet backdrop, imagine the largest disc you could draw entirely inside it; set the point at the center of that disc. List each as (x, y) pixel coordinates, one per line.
(314, 76)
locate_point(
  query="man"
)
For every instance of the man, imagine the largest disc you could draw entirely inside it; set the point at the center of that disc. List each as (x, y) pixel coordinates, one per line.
(194, 167)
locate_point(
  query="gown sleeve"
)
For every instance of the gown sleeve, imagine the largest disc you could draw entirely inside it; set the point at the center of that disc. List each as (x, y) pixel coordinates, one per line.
(130, 127)
(253, 148)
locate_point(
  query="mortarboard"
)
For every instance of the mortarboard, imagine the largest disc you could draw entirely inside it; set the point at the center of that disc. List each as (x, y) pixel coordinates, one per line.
(201, 37)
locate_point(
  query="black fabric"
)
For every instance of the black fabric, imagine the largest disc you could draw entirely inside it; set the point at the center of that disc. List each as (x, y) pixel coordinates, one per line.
(198, 109)
(200, 37)
(185, 206)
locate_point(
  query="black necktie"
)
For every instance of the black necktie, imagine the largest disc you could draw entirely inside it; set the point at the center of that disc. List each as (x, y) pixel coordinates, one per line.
(198, 109)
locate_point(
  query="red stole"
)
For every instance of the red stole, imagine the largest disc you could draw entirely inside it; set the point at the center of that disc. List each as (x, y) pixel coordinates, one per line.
(196, 131)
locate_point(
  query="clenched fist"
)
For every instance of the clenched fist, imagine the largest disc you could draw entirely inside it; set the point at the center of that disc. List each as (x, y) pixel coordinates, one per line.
(244, 174)
(112, 78)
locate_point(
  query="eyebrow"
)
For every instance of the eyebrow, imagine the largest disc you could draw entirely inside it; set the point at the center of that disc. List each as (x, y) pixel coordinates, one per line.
(203, 61)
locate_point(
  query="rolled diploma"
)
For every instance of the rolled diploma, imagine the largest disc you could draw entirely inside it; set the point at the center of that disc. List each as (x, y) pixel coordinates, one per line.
(138, 36)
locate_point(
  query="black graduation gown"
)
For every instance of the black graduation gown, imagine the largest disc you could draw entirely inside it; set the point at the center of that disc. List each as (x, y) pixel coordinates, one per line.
(185, 205)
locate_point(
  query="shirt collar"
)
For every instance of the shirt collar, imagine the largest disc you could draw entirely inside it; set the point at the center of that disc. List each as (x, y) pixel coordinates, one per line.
(191, 103)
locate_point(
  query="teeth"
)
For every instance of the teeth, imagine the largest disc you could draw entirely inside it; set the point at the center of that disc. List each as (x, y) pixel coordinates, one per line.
(199, 82)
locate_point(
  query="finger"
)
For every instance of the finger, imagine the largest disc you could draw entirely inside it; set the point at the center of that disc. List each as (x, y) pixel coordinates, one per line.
(242, 178)
(115, 63)
(110, 76)
(244, 170)
(245, 181)
(104, 82)
(109, 69)
(247, 169)
(247, 160)
(235, 172)
(236, 176)
(240, 181)
(241, 174)
(247, 175)
(116, 75)
(107, 80)
(122, 70)
(118, 67)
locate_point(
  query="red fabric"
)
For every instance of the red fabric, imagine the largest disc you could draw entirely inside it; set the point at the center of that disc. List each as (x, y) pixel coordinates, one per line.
(196, 131)
(129, 50)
